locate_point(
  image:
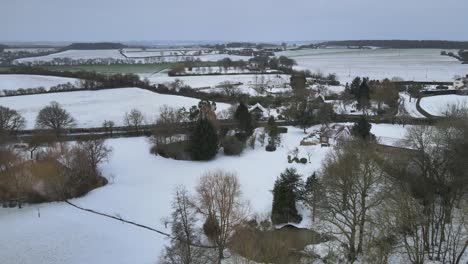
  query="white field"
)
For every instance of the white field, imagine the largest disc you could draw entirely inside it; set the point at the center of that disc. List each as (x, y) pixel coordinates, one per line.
(16, 81)
(409, 64)
(115, 54)
(142, 192)
(438, 105)
(77, 55)
(91, 108)
(211, 81)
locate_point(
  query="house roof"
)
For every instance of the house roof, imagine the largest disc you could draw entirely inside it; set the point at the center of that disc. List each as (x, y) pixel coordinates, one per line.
(257, 106)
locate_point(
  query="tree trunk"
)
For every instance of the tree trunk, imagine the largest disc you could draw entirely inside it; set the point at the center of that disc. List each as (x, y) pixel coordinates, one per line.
(220, 255)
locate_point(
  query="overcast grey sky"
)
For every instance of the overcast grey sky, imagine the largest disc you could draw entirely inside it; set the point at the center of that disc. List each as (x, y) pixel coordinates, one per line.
(245, 20)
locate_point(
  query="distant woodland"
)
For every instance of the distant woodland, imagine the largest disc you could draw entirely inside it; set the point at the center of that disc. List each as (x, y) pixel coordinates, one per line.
(94, 46)
(401, 44)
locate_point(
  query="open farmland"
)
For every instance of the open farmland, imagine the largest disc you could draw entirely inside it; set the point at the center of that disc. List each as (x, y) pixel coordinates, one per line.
(91, 108)
(409, 64)
(439, 105)
(248, 81)
(76, 55)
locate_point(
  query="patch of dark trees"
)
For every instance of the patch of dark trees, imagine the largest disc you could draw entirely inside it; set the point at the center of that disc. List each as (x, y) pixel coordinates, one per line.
(401, 44)
(3, 47)
(94, 46)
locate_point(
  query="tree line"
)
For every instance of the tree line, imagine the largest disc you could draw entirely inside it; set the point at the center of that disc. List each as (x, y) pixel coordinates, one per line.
(401, 44)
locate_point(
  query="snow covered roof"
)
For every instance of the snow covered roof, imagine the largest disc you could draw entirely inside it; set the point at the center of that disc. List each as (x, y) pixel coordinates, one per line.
(258, 106)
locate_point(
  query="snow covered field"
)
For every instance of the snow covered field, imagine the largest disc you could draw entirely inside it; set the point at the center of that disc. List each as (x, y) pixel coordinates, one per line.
(409, 64)
(248, 80)
(141, 191)
(115, 54)
(76, 55)
(91, 108)
(16, 81)
(438, 105)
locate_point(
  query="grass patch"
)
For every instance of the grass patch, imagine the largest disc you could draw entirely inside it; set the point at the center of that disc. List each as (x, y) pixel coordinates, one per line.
(274, 246)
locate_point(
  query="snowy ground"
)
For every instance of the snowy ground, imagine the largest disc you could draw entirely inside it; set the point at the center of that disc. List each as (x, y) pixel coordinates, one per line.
(248, 80)
(409, 64)
(115, 54)
(16, 81)
(409, 105)
(438, 105)
(91, 108)
(76, 55)
(141, 190)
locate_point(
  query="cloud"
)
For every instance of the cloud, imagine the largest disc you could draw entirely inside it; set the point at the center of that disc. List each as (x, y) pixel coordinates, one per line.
(257, 20)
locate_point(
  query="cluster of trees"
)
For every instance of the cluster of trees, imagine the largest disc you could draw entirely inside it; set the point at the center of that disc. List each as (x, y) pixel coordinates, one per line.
(364, 91)
(89, 80)
(305, 106)
(94, 46)
(419, 192)
(7, 57)
(217, 203)
(52, 117)
(401, 44)
(57, 88)
(54, 172)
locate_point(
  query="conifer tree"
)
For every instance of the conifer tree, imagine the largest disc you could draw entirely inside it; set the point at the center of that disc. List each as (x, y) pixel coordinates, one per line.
(243, 116)
(362, 129)
(203, 141)
(285, 194)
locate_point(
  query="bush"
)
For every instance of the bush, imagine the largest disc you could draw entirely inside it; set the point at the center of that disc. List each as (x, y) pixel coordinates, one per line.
(270, 148)
(232, 146)
(282, 130)
(176, 150)
(303, 160)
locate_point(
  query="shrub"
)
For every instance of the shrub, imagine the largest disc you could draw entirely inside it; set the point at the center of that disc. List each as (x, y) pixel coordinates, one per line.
(282, 130)
(303, 160)
(232, 146)
(176, 150)
(270, 148)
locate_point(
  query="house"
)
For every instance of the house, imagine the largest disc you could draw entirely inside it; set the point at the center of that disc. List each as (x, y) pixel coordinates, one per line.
(335, 132)
(461, 82)
(259, 112)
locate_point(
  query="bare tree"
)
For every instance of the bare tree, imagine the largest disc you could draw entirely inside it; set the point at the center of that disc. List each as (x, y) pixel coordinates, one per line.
(108, 125)
(11, 120)
(184, 233)
(40, 139)
(96, 152)
(219, 200)
(134, 118)
(229, 89)
(169, 121)
(434, 175)
(351, 180)
(54, 117)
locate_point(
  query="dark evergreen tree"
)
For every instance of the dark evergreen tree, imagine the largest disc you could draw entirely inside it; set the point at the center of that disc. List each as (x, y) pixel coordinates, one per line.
(273, 133)
(354, 89)
(203, 141)
(243, 116)
(362, 128)
(285, 194)
(363, 95)
(305, 114)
